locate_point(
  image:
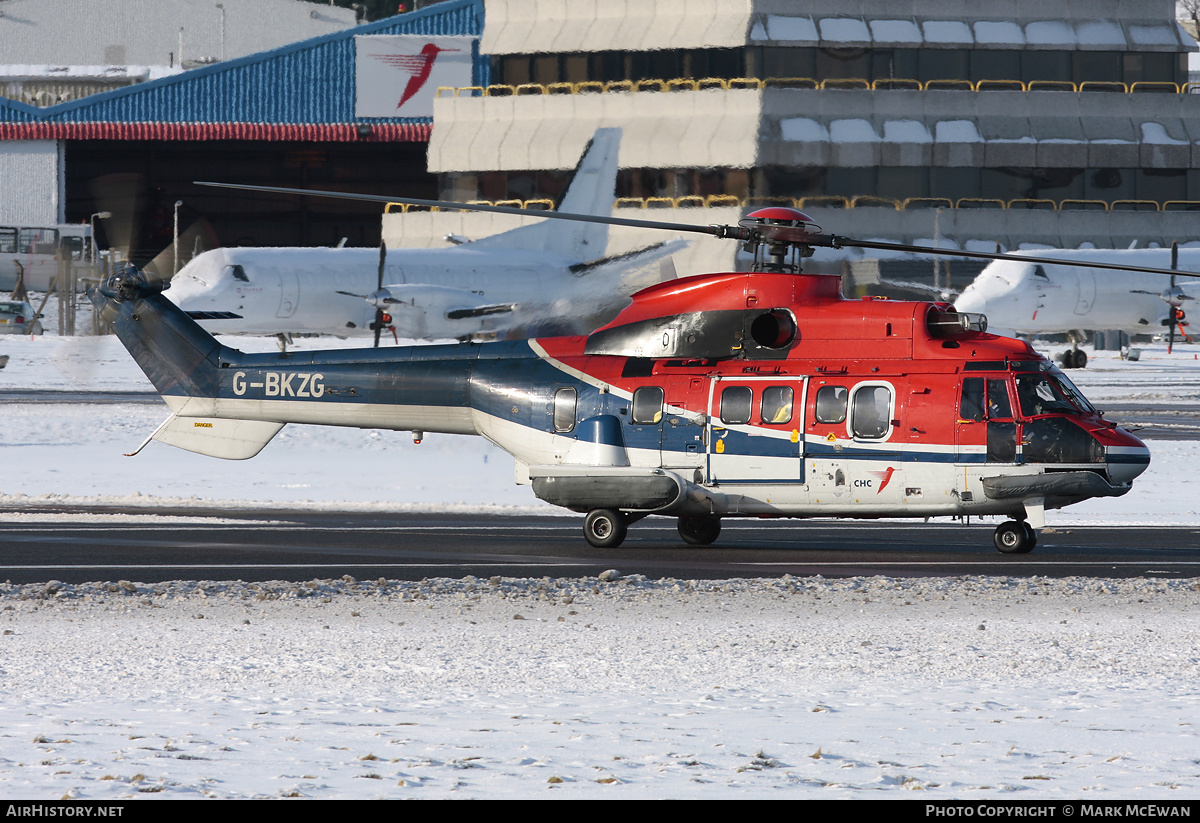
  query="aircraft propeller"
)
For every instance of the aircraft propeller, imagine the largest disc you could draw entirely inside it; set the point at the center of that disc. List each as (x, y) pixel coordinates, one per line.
(379, 298)
(1173, 297)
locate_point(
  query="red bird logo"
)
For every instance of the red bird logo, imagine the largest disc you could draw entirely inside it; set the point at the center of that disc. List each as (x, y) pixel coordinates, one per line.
(418, 66)
(885, 476)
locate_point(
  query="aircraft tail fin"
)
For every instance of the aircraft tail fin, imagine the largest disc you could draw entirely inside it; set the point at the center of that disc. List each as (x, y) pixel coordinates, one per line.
(178, 356)
(591, 191)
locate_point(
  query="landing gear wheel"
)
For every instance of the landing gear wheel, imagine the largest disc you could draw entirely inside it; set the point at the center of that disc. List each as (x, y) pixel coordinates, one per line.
(699, 531)
(1080, 359)
(604, 528)
(1015, 537)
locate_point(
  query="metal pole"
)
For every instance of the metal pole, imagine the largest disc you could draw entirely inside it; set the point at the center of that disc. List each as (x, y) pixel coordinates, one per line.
(221, 6)
(175, 254)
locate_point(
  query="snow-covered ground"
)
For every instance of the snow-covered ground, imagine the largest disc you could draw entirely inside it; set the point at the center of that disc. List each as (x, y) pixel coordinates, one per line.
(997, 688)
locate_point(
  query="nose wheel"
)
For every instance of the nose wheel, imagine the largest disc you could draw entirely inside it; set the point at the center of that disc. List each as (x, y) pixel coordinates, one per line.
(1015, 537)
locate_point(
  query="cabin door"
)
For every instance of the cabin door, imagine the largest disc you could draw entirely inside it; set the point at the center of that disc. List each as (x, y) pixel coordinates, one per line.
(754, 426)
(289, 292)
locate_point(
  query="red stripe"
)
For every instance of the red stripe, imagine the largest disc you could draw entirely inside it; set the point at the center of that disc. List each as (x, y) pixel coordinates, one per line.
(322, 133)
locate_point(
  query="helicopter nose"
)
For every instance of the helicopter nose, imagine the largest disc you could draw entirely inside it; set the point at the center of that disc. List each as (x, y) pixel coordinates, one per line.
(1125, 455)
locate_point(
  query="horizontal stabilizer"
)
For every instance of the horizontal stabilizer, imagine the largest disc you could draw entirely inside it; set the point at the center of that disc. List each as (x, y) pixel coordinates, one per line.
(481, 311)
(228, 439)
(214, 315)
(618, 264)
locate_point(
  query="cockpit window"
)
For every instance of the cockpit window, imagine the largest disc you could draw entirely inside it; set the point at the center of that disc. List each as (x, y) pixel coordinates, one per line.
(1073, 394)
(238, 273)
(1037, 395)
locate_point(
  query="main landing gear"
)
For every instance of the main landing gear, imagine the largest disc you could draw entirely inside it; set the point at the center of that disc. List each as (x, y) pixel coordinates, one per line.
(1015, 537)
(699, 531)
(606, 528)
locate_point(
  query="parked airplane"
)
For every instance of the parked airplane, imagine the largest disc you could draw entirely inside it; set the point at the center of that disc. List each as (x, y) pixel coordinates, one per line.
(548, 276)
(1053, 298)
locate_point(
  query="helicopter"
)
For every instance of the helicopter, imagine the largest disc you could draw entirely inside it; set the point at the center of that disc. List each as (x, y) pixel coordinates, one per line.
(738, 394)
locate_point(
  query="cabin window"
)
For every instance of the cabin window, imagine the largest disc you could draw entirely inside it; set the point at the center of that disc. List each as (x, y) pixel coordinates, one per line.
(976, 401)
(971, 405)
(872, 416)
(737, 403)
(647, 405)
(564, 409)
(831, 404)
(777, 404)
(238, 273)
(998, 404)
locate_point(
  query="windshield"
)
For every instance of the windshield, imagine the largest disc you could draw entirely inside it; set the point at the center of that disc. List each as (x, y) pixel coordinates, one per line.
(1070, 391)
(1038, 395)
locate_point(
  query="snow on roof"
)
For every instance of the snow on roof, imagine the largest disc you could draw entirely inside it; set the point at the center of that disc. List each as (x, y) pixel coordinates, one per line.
(906, 131)
(947, 31)
(1003, 32)
(853, 130)
(1154, 35)
(803, 130)
(895, 31)
(792, 28)
(1049, 33)
(957, 131)
(1157, 133)
(844, 30)
(1099, 33)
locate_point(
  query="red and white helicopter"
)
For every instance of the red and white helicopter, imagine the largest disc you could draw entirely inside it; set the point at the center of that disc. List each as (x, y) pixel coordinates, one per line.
(755, 394)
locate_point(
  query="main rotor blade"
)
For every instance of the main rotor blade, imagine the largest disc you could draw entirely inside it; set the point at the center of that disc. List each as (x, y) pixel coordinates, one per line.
(765, 232)
(846, 242)
(717, 231)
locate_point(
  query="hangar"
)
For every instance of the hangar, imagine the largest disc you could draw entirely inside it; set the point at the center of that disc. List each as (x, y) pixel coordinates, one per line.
(296, 115)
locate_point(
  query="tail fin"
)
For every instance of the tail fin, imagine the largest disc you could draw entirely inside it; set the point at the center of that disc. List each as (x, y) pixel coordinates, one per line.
(183, 361)
(591, 191)
(180, 358)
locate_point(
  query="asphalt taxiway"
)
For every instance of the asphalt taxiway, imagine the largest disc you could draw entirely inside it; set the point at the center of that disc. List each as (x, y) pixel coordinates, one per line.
(280, 545)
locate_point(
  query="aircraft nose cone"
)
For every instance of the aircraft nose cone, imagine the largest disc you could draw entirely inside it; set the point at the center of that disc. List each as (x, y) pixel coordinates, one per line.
(1125, 463)
(971, 301)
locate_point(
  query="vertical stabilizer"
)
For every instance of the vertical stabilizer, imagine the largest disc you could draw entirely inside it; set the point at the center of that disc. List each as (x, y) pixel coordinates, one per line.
(592, 190)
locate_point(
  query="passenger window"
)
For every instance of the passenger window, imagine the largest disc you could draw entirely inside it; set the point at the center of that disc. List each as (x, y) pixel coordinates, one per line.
(647, 405)
(831, 404)
(777, 404)
(564, 409)
(872, 412)
(736, 404)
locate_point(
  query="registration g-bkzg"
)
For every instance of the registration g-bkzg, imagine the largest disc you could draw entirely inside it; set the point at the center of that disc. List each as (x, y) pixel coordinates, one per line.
(281, 384)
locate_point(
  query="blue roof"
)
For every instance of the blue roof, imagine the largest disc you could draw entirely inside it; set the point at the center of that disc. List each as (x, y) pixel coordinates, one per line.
(309, 82)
